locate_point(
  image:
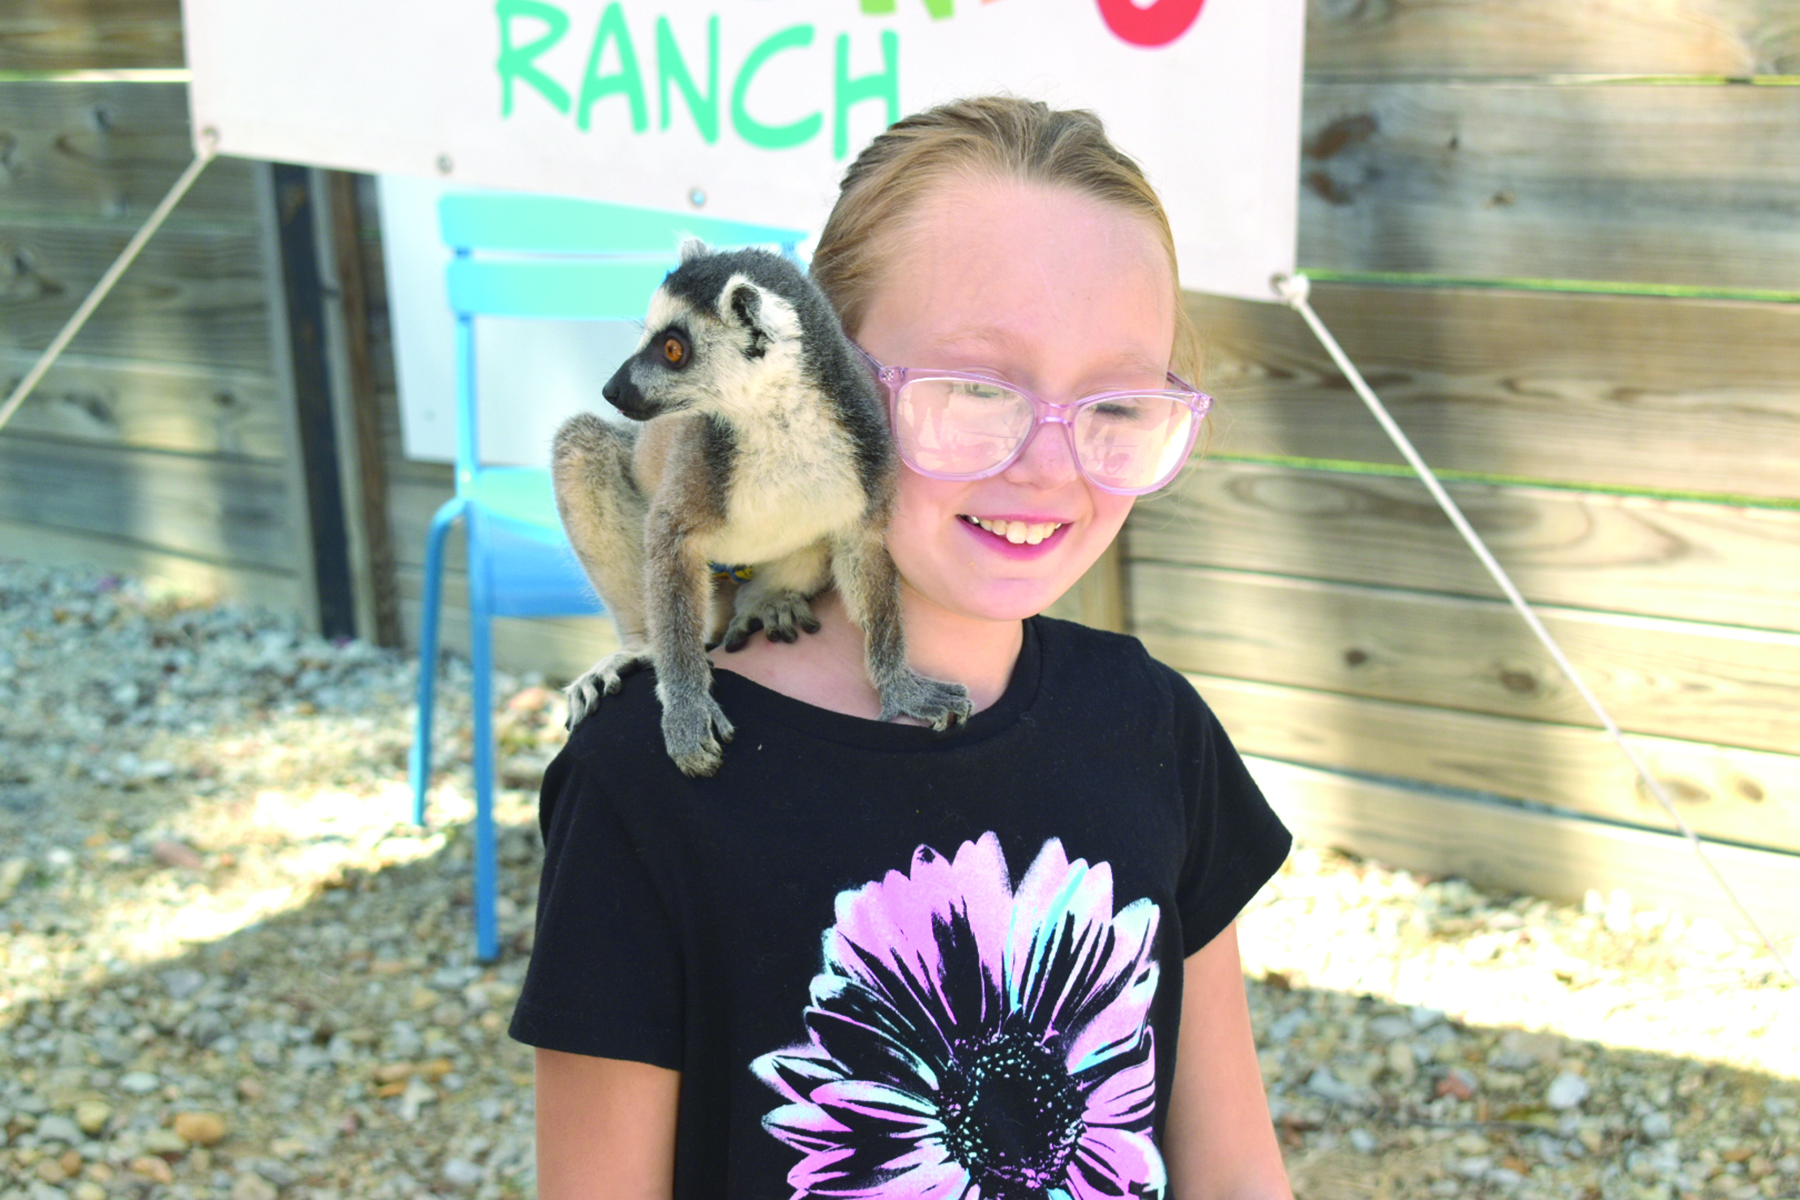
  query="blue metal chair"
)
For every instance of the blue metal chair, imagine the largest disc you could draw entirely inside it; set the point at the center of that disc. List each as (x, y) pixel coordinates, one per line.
(548, 257)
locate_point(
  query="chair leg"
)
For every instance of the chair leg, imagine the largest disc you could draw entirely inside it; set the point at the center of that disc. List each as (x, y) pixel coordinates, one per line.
(419, 760)
(487, 947)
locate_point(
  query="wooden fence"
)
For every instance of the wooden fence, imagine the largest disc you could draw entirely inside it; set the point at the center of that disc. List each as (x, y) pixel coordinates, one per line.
(1562, 241)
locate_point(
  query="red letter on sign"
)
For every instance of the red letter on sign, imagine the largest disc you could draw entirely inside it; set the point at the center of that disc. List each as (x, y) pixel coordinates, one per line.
(1158, 25)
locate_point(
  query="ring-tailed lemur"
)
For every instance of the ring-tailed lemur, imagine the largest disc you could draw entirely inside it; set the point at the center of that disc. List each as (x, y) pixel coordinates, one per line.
(763, 441)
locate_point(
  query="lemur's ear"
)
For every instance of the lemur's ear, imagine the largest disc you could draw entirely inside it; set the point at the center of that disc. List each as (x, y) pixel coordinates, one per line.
(692, 248)
(743, 302)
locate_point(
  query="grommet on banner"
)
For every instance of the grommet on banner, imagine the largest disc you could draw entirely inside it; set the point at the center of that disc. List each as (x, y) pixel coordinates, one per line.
(1292, 289)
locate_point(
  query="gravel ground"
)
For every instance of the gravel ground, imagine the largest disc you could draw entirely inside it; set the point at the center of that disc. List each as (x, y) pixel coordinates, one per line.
(230, 966)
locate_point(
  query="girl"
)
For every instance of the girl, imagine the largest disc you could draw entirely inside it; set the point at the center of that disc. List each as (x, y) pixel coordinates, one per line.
(870, 960)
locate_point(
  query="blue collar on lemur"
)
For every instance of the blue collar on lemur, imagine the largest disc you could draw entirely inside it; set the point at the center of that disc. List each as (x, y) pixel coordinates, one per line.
(741, 573)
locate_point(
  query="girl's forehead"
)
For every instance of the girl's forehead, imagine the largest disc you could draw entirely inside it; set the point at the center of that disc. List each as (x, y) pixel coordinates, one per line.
(986, 261)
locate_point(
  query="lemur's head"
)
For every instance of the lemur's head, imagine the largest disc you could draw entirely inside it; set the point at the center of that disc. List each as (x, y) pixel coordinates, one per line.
(722, 335)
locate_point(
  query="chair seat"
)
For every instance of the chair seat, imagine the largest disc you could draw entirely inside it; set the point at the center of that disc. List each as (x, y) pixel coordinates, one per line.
(531, 569)
(517, 494)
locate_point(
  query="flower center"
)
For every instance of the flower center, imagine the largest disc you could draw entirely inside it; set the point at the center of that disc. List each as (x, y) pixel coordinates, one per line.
(1011, 1115)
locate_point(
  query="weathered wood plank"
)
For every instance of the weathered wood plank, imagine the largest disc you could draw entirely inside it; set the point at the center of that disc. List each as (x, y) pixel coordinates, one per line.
(348, 322)
(1401, 38)
(411, 502)
(274, 588)
(148, 405)
(1622, 391)
(109, 150)
(1706, 683)
(1641, 184)
(75, 35)
(1749, 796)
(1715, 563)
(1514, 849)
(230, 511)
(195, 295)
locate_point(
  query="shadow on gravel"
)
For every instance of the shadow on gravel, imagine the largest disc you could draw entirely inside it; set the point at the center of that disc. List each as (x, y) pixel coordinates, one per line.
(344, 1047)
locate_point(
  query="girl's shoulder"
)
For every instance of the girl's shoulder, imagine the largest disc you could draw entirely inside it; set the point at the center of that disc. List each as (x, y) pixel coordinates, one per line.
(1100, 667)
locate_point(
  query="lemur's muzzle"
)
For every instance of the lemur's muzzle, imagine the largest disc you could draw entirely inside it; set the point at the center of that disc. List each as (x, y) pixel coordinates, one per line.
(626, 396)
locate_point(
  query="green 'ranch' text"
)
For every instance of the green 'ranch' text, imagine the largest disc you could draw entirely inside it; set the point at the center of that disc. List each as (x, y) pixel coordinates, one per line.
(615, 75)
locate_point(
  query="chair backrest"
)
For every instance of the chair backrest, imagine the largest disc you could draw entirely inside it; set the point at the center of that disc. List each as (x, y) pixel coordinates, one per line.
(560, 258)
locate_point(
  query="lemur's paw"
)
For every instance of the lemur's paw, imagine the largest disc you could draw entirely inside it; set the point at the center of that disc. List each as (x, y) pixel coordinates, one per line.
(602, 679)
(693, 732)
(783, 616)
(935, 702)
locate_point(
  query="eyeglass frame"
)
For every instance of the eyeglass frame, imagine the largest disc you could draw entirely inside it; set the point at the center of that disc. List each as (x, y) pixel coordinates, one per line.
(1043, 412)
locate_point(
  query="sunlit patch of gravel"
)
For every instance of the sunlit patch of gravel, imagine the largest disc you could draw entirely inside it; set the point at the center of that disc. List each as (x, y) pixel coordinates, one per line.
(1423, 1037)
(230, 966)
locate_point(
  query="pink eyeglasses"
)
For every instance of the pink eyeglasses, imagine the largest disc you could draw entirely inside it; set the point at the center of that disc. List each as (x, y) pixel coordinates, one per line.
(960, 425)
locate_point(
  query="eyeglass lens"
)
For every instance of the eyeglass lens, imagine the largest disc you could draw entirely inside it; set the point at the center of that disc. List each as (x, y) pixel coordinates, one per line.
(963, 427)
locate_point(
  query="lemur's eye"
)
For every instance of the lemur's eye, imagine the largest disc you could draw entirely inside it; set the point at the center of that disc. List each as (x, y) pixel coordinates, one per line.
(674, 349)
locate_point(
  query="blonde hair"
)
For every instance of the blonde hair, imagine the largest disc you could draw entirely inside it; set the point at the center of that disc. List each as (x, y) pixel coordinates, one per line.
(988, 136)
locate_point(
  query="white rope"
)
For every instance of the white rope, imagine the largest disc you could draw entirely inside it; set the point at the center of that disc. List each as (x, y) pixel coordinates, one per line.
(125, 259)
(1294, 291)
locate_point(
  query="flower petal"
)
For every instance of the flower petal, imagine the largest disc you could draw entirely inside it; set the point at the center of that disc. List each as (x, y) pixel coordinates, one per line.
(868, 1051)
(929, 941)
(1115, 1162)
(1126, 1096)
(875, 1109)
(1068, 957)
(805, 1127)
(925, 1172)
(1107, 1021)
(794, 1072)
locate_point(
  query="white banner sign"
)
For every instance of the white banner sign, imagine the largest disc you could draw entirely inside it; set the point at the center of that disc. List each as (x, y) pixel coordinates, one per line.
(752, 110)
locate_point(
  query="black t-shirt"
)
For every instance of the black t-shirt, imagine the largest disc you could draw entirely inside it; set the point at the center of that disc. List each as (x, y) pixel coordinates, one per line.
(892, 963)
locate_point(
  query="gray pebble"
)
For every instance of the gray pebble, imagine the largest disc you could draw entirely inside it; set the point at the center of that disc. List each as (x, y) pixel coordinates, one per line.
(182, 982)
(1566, 1091)
(1424, 1018)
(1390, 1026)
(1323, 1083)
(460, 1173)
(139, 1083)
(58, 1128)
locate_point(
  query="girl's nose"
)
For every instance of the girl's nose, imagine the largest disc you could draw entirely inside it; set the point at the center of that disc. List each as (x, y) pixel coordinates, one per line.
(1049, 457)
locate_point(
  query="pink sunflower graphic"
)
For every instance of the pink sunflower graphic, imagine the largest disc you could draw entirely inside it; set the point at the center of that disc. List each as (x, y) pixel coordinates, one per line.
(967, 1039)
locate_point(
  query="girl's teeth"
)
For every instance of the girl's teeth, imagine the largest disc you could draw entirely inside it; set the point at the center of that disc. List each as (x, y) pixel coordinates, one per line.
(1018, 532)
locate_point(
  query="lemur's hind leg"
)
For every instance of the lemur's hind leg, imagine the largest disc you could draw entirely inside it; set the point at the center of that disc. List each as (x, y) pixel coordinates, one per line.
(870, 586)
(775, 597)
(603, 512)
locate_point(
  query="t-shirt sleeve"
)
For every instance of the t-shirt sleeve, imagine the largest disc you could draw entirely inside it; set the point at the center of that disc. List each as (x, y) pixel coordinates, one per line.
(1235, 840)
(605, 976)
